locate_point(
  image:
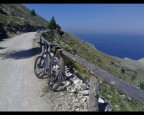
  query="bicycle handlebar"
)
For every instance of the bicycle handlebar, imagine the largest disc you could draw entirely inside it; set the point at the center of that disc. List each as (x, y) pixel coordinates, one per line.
(51, 45)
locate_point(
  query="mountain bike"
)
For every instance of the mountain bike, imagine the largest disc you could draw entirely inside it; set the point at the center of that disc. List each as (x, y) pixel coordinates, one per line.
(47, 64)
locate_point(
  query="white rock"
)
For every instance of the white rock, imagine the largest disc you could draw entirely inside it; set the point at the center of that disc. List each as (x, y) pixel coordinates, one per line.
(75, 90)
(100, 100)
(73, 98)
(68, 74)
(129, 98)
(109, 96)
(84, 92)
(77, 109)
(84, 87)
(67, 83)
(72, 89)
(66, 67)
(79, 88)
(116, 106)
(77, 81)
(122, 96)
(71, 93)
(108, 108)
(84, 99)
(66, 70)
(69, 88)
(80, 95)
(75, 105)
(55, 67)
(100, 82)
(75, 101)
(84, 110)
(51, 54)
(85, 104)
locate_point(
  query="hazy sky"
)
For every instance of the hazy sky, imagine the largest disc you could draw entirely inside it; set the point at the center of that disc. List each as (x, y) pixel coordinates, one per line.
(94, 18)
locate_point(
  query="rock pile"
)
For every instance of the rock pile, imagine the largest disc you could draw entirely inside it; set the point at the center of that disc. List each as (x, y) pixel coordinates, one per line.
(76, 86)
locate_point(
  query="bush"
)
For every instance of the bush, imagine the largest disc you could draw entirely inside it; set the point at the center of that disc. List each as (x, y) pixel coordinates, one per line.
(99, 60)
(141, 85)
(112, 63)
(133, 77)
(33, 13)
(123, 70)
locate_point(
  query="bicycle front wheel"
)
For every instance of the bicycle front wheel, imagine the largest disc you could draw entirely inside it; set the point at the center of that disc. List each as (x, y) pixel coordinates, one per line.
(55, 76)
(39, 67)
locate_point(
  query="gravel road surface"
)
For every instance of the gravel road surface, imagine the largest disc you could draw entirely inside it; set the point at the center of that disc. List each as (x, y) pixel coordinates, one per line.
(20, 90)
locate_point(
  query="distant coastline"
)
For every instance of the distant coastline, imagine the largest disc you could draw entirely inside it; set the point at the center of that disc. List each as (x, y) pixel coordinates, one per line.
(118, 45)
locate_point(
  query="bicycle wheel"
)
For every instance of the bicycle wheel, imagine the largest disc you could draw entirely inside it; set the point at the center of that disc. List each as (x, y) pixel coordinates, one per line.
(39, 67)
(55, 76)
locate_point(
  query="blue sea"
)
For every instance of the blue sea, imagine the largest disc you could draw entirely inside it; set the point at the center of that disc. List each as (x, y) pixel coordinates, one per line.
(119, 45)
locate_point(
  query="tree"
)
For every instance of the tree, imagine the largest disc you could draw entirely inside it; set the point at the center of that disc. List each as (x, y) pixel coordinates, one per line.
(52, 24)
(33, 13)
(58, 27)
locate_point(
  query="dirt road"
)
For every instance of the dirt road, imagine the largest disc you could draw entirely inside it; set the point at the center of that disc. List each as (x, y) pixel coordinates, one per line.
(20, 90)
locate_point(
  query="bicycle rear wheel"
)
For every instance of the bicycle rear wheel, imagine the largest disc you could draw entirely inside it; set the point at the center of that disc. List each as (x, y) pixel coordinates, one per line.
(55, 76)
(39, 67)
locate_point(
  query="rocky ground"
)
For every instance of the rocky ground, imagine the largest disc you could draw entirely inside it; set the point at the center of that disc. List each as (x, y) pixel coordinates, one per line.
(76, 93)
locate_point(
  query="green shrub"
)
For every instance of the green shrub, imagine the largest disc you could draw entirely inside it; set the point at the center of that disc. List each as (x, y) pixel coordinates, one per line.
(133, 77)
(141, 85)
(52, 23)
(122, 70)
(33, 13)
(112, 63)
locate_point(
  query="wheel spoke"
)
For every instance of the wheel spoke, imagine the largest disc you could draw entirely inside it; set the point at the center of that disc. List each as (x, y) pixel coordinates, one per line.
(40, 73)
(55, 78)
(39, 67)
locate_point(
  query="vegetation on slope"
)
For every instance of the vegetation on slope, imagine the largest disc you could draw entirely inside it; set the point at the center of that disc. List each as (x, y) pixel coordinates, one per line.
(16, 18)
(19, 14)
(118, 101)
(109, 63)
(87, 51)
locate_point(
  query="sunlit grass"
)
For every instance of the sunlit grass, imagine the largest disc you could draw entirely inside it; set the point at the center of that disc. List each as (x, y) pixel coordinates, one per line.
(111, 64)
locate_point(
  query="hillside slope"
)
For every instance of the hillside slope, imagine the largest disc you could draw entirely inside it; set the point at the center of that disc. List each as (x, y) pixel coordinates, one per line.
(127, 69)
(15, 18)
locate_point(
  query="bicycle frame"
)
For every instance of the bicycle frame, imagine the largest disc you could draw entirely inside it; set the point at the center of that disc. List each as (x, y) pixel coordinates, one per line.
(49, 58)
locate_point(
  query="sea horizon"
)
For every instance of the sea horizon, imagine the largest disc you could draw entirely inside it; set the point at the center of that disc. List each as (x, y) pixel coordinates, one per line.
(117, 44)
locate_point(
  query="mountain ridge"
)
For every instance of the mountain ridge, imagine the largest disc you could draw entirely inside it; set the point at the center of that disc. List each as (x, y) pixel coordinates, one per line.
(16, 18)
